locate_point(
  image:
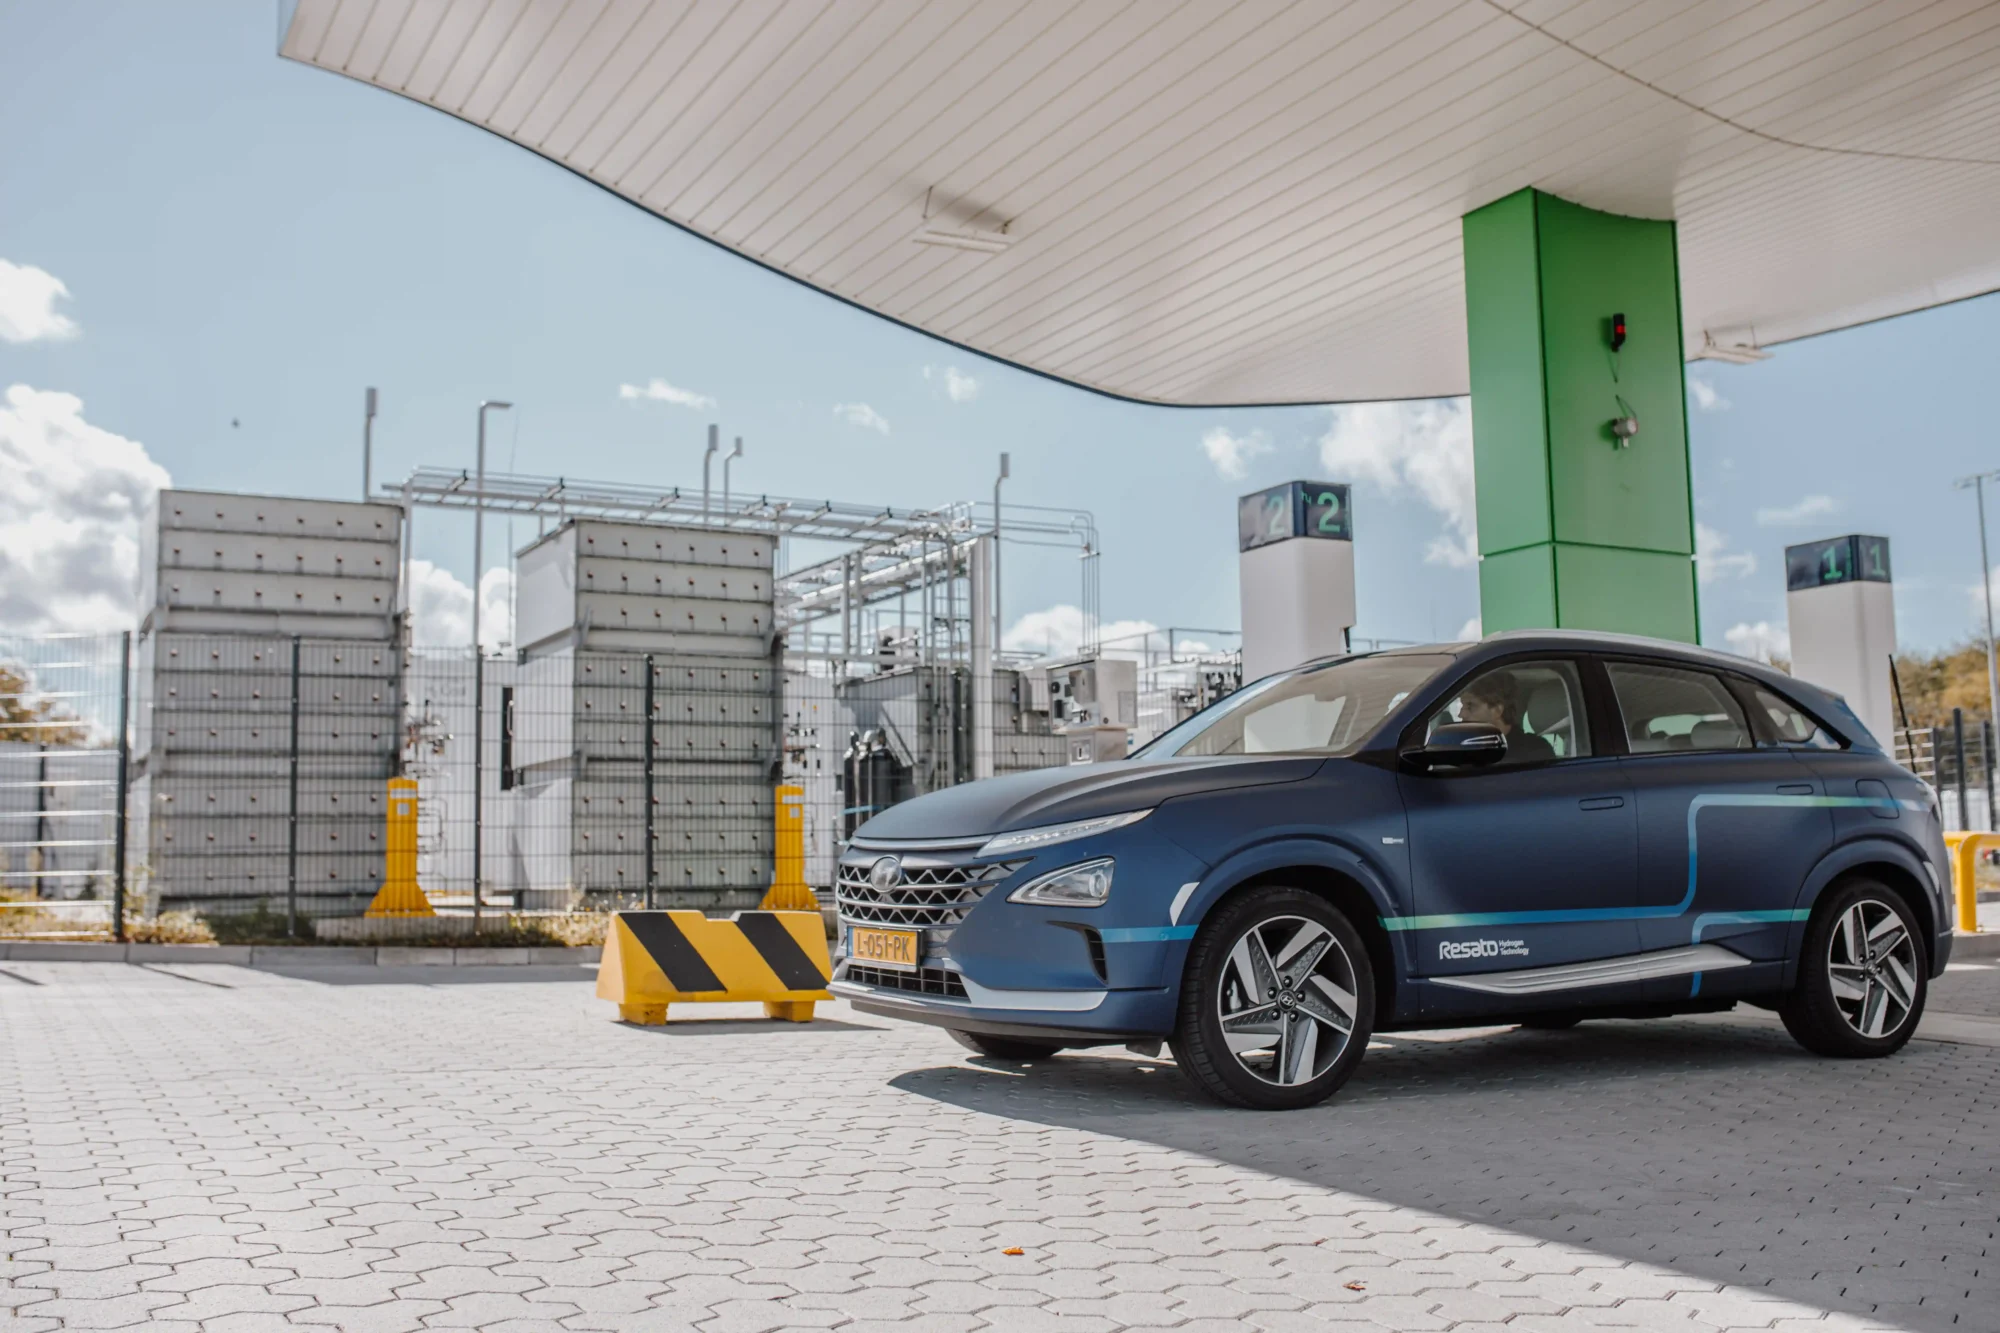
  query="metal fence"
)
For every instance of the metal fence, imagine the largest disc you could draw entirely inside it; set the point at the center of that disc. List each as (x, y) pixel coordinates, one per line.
(255, 770)
(1958, 761)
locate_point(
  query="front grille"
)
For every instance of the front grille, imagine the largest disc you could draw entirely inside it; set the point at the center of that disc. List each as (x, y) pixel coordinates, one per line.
(928, 897)
(924, 981)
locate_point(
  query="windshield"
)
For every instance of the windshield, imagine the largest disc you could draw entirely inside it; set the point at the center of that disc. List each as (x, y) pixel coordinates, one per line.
(1327, 709)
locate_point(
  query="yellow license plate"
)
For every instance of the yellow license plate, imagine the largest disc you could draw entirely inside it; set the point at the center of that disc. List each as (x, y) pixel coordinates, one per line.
(884, 948)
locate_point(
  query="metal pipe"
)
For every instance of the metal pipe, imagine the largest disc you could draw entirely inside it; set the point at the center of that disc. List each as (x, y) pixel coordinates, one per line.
(651, 814)
(999, 620)
(478, 780)
(714, 443)
(292, 810)
(124, 778)
(1958, 764)
(1986, 587)
(727, 459)
(479, 517)
(368, 444)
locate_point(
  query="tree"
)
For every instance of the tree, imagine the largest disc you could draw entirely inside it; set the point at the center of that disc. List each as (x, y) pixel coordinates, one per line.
(28, 718)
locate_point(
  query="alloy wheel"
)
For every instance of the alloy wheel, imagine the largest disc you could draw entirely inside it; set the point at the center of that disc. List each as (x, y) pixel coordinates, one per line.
(1872, 965)
(1287, 1000)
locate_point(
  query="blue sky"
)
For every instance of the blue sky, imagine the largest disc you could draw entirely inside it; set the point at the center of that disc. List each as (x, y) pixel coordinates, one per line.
(246, 240)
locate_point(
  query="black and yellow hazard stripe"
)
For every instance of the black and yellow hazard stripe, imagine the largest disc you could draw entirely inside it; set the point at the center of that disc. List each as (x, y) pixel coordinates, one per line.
(653, 959)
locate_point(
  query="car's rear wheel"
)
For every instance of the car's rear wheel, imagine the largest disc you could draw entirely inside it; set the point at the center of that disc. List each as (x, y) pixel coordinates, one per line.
(1277, 1001)
(1862, 974)
(1004, 1048)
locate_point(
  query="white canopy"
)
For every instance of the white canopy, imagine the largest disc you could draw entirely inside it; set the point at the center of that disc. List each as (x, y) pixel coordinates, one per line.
(1209, 203)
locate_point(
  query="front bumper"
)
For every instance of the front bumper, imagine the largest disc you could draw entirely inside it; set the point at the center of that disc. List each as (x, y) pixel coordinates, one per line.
(1091, 1018)
(1078, 976)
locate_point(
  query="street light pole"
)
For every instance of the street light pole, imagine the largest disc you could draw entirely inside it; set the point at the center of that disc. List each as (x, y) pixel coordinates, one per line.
(479, 516)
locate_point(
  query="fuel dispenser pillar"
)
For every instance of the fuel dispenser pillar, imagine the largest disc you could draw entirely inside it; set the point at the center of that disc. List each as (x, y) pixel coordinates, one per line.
(1841, 610)
(1579, 419)
(1295, 565)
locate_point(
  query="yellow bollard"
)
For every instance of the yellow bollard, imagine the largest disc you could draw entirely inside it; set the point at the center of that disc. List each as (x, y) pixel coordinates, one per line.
(789, 891)
(1964, 849)
(654, 959)
(399, 895)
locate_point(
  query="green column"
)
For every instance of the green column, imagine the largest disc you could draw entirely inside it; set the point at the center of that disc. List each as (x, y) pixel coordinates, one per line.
(1575, 531)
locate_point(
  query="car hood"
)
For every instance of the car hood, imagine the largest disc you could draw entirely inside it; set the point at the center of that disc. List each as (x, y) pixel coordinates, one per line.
(1077, 791)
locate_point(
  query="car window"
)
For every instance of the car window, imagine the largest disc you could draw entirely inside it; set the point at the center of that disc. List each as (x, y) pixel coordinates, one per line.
(1326, 709)
(1539, 705)
(1667, 709)
(1790, 727)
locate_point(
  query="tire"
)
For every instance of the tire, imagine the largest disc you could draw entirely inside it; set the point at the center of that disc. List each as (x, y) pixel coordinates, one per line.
(1004, 1048)
(1248, 976)
(1552, 1022)
(1861, 985)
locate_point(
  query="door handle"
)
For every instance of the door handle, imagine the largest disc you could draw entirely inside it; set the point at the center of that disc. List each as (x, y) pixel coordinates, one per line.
(1601, 802)
(1795, 789)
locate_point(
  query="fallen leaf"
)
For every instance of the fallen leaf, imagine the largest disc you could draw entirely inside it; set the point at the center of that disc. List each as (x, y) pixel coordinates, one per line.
(1012, 1249)
(1356, 1286)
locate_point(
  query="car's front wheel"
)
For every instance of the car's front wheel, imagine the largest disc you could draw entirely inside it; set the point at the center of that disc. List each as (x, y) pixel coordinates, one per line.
(1862, 974)
(1277, 1001)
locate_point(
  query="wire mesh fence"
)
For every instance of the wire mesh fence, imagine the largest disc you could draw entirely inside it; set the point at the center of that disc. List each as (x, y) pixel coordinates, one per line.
(253, 774)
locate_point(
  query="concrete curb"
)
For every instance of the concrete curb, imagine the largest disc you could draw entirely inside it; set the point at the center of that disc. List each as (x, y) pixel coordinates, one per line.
(265, 955)
(1986, 944)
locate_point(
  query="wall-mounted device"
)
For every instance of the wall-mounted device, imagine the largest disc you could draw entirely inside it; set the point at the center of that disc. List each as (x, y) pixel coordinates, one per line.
(1842, 614)
(1295, 566)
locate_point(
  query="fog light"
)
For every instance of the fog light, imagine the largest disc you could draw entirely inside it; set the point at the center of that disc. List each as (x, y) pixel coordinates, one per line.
(1086, 884)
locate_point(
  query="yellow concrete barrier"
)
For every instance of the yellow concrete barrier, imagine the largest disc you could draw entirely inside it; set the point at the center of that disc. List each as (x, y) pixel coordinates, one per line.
(399, 894)
(789, 890)
(1964, 849)
(654, 959)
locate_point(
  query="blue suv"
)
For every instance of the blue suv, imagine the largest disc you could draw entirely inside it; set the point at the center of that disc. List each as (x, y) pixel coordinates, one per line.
(1539, 828)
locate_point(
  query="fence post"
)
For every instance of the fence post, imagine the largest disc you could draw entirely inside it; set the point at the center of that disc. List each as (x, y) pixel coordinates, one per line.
(1958, 764)
(1986, 763)
(478, 773)
(124, 776)
(647, 754)
(292, 809)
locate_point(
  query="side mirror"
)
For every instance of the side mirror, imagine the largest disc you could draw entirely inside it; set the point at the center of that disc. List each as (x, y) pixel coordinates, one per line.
(1461, 745)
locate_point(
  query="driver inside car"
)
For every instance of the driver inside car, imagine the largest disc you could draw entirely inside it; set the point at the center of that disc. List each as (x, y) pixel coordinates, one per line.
(1495, 699)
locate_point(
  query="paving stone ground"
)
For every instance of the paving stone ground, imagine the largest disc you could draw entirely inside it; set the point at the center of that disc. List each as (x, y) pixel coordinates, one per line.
(381, 1149)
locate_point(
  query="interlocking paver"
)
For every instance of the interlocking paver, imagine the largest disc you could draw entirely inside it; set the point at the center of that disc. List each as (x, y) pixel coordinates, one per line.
(384, 1156)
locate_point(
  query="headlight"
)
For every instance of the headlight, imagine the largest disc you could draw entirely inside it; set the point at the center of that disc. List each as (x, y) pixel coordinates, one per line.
(1031, 839)
(1086, 884)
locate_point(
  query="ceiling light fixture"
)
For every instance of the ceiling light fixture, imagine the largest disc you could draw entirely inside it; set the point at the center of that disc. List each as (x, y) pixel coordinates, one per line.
(1736, 354)
(979, 242)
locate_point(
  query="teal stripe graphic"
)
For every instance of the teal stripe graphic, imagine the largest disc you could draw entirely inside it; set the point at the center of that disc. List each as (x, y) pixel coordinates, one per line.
(1462, 920)
(1146, 934)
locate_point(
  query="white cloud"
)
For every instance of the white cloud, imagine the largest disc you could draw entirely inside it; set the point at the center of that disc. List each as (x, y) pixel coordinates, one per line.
(1706, 396)
(441, 606)
(27, 304)
(1231, 454)
(1790, 516)
(1471, 629)
(659, 391)
(959, 386)
(69, 519)
(860, 414)
(1058, 632)
(1423, 446)
(1763, 640)
(1714, 560)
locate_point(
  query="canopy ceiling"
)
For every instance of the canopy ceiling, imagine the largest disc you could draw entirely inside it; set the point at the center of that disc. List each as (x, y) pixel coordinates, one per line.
(1209, 203)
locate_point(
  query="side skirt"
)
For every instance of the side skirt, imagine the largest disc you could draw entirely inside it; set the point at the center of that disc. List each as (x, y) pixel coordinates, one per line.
(1599, 972)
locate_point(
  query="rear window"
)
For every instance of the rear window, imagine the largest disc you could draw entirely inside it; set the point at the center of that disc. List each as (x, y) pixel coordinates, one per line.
(1667, 709)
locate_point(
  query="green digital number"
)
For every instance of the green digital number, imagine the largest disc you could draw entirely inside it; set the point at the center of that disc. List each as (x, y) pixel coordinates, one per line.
(1330, 520)
(1831, 570)
(1875, 561)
